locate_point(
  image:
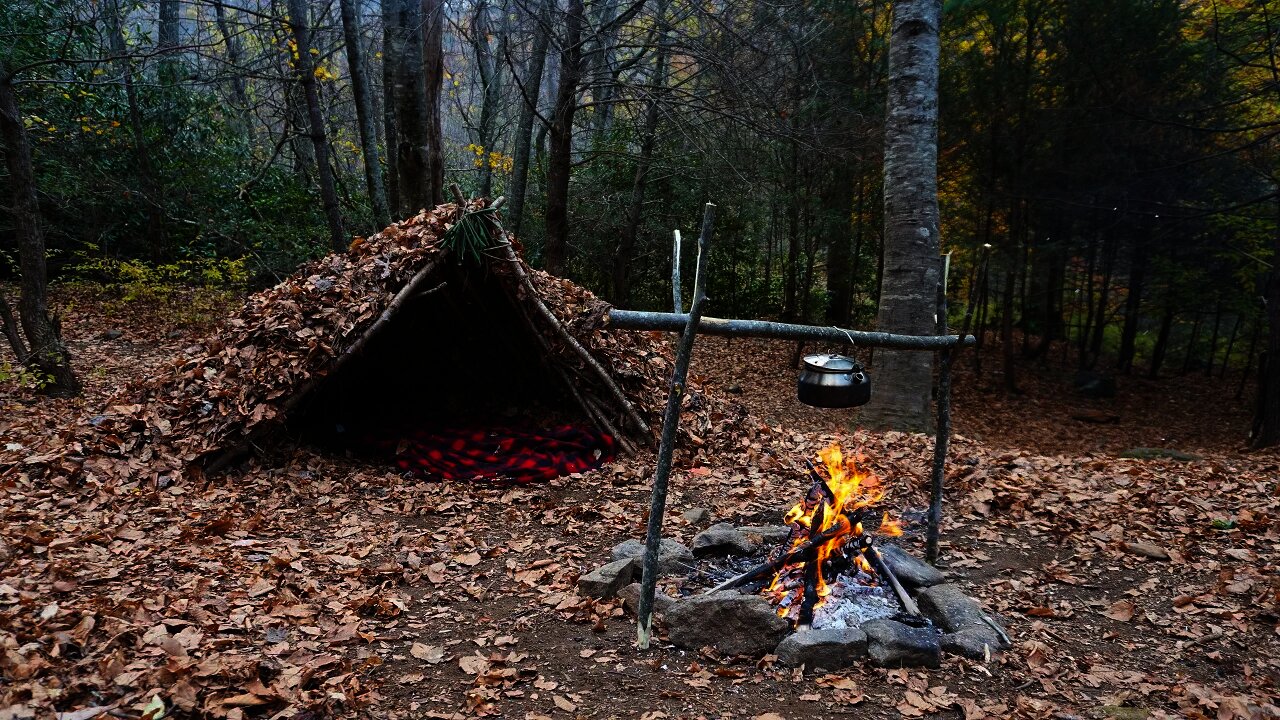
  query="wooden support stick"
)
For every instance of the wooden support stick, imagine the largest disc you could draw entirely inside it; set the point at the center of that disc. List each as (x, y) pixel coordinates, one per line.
(628, 447)
(411, 289)
(934, 530)
(676, 322)
(877, 562)
(508, 253)
(676, 299)
(670, 423)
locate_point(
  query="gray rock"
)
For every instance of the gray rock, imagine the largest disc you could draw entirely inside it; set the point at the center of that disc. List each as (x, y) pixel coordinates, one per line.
(768, 534)
(697, 516)
(950, 608)
(975, 643)
(721, 539)
(892, 644)
(1095, 385)
(1147, 550)
(605, 582)
(913, 573)
(672, 556)
(827, 649)
(630, 595)
(731, 623)
(1146, 453)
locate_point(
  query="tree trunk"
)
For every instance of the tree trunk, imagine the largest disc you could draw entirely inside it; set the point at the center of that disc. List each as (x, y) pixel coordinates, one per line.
(1090, 268)
(1213, 339)
(489, 64)
(390, 128)
(304, 152)
(560, 153)
(1249, 357)
(409, 92)
(1267, 418)
(980, 331)
(635, 210)
(364, 114)
(433, 75)
(152, 192)
(1162, 341)
(1104, 297)
(532, 85)
(239, 86)
(1231, 346)
(909, 293)
(1006, 332)
(602, 78)
(791, 262)
(1133, 305)
(44, 350)
(167, 41)
(300, 24)
(1191, 344)
(840, 251)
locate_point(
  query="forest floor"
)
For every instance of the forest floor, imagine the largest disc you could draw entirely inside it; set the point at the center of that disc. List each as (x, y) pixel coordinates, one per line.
(338, 587)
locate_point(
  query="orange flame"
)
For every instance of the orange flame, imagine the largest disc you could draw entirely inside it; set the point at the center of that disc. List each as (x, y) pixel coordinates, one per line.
(851, 489)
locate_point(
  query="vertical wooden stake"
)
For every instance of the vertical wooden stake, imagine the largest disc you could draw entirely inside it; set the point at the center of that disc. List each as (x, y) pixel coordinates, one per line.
(943, 436)
(670, 423)
(675, 274)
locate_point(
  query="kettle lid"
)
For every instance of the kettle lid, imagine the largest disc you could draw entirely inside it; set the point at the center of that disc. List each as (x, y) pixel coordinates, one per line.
(824, 362)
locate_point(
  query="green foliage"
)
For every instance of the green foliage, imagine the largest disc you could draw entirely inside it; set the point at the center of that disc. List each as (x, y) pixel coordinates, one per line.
(471, 235)
(24, 377)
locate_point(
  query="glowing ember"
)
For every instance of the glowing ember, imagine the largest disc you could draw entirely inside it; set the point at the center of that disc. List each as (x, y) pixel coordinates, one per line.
(830, 511)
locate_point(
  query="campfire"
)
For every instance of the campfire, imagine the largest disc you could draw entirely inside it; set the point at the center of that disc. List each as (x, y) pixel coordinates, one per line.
(831, 543)
(832, 586)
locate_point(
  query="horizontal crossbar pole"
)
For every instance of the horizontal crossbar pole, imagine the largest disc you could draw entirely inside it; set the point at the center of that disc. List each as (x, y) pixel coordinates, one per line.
(675, 322)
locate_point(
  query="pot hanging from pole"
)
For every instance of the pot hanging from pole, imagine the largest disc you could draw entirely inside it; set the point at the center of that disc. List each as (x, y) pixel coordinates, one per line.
(833, 381)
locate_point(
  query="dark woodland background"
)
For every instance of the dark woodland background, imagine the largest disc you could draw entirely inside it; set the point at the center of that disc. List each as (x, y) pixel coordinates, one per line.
(1119, 157)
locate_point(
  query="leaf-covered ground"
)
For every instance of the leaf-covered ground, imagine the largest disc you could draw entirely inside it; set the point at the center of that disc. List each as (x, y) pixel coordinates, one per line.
(327, 587)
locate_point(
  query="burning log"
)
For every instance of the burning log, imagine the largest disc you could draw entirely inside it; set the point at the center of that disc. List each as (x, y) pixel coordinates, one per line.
(813, 568)
(807, 553)
(866, 546)
(819, 484)
(809, 601)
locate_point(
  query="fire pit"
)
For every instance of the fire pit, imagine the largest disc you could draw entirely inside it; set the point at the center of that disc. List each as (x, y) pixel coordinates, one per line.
(825, 589)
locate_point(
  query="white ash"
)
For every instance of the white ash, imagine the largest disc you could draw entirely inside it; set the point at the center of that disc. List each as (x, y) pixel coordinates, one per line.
(850, 604)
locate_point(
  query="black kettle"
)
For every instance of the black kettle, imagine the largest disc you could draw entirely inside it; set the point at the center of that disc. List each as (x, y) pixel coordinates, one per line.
(833, 381)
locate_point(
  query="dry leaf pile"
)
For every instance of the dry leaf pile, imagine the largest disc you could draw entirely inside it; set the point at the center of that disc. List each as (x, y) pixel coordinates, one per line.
(324, 587)
(233, 386)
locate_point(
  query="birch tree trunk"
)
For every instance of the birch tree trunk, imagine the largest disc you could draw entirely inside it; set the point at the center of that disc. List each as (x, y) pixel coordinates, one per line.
(299, 23)
(364, 114)
(908, 295)
(44, 350)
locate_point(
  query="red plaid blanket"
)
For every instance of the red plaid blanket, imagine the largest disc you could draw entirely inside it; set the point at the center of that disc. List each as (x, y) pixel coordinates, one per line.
(502, 453)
